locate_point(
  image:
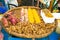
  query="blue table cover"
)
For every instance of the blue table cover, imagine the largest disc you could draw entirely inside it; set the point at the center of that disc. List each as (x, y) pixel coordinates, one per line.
(52, 36)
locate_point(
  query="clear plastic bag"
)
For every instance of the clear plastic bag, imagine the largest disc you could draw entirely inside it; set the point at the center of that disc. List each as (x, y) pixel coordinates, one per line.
(1, 36)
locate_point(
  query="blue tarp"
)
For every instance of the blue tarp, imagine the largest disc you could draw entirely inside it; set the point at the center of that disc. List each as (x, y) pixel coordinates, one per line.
(52, 36)
(3, 9)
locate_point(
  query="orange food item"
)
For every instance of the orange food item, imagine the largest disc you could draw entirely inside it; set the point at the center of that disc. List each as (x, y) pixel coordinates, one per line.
(5, 22)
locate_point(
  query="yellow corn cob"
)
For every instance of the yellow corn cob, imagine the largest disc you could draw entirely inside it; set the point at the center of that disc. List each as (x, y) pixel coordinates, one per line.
(30, 15)
(36, 16)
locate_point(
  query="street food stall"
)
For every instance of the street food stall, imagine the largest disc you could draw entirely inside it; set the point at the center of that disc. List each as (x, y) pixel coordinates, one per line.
(31, 20)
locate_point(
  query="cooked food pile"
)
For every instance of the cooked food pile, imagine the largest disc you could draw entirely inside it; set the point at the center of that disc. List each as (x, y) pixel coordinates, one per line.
(26, 21)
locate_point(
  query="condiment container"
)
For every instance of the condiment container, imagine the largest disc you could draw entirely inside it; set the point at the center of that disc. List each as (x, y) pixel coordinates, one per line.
(57, 17)
(58, 26)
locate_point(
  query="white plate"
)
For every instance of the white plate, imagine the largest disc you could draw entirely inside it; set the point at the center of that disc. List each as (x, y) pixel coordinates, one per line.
(56, 15)
(46, 19)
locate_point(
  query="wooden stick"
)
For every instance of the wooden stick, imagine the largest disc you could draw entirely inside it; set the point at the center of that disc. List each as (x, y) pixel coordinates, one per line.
(19, 2)
(32, 2)
(37, 3)
(51, 5)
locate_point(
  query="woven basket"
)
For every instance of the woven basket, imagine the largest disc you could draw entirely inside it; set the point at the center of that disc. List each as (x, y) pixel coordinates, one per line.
(17, 10)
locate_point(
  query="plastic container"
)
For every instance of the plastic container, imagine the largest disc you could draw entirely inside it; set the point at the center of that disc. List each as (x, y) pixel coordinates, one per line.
(57, 17)
(58, 26)
(1, 36)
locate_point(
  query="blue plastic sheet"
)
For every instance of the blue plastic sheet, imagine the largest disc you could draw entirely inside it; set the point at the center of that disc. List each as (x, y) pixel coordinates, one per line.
(52, 36)
(3, 9)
